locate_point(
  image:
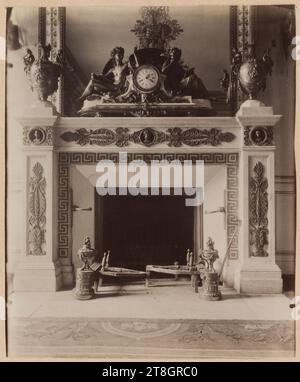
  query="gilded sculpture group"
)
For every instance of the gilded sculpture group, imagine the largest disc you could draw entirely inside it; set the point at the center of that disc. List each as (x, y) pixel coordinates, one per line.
(112, 84)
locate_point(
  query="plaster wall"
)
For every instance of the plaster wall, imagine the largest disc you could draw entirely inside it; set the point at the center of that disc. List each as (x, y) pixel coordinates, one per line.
(91, 33)
(280, 93)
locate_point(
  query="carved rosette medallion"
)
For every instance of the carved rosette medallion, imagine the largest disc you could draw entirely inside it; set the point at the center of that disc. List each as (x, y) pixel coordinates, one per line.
(148, 137)
(174, 137)
(258, 212)
(38, 136)
(36, 211)
(258, 136)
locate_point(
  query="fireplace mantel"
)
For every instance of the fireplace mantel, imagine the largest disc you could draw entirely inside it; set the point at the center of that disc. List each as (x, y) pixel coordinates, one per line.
(167, 133)
(243, 143)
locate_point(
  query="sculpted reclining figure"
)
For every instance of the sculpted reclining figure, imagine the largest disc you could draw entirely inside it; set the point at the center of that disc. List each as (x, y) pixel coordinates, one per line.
(182, 80)
(113, 78)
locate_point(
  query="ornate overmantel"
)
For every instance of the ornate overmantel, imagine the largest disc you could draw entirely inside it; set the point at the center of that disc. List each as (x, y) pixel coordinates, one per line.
(243, 143)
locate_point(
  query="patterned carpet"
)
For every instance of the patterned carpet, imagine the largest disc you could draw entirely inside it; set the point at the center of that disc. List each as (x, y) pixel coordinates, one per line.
(142, 337)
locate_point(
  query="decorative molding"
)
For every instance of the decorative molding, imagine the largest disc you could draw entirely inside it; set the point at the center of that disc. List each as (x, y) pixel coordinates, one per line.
(285, 252)
(232, 123)
(37, 210)
(258, 136)
(42, 26)
(38, 136)
(55, 21)
(242, 21)
(285, 179)
(258, 212)
(66, 159)
(175, 137)
(242, 27)
(277, 192)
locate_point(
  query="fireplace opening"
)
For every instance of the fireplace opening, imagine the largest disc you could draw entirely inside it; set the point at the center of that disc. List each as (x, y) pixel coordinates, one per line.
(141, 230)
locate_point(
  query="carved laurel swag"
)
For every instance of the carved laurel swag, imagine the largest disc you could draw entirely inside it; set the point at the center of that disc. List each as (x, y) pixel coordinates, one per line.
(37, 209)
(198, 137)
(258, 212)
(174, 137)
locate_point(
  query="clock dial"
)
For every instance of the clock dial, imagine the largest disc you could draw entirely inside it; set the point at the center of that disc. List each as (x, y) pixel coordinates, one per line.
(146, 78)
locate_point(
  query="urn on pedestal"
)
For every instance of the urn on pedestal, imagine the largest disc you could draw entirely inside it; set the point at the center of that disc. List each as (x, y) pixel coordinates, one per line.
(43, 74)
(253, 73)
(209, 276)
(248, 74)
(85, 275)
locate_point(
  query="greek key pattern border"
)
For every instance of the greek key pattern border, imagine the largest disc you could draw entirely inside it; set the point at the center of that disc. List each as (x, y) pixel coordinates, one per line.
(66, 159)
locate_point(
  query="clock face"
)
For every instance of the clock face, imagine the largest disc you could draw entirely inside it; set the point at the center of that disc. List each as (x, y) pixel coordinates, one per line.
(146, 78)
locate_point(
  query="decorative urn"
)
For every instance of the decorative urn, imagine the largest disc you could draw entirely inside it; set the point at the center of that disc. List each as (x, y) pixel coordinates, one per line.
(43, 74)
(86, 254)
(253, 74)
(248, 73)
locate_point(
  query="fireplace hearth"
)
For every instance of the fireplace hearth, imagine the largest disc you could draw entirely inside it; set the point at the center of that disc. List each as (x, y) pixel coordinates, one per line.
(141, 230)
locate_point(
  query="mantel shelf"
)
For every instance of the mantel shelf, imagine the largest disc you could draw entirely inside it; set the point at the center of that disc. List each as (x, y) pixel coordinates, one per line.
(186, 133)
(138, 122)
(132, 122)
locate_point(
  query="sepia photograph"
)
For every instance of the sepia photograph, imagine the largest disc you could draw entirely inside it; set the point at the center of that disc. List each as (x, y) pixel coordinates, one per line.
(150, 181)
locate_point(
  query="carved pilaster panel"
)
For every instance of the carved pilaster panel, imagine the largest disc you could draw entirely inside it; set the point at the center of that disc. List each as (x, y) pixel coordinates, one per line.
(258, 136)
(38, 136)
(258, 212)
(37, 211)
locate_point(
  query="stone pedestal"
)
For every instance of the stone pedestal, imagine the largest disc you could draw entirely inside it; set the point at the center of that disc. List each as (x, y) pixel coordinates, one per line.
(84, 284)
(254, 108)
(210, 290)
(257, 271)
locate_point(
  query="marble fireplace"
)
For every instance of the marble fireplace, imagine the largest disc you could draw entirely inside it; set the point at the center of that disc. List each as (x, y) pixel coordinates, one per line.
(60, 205)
